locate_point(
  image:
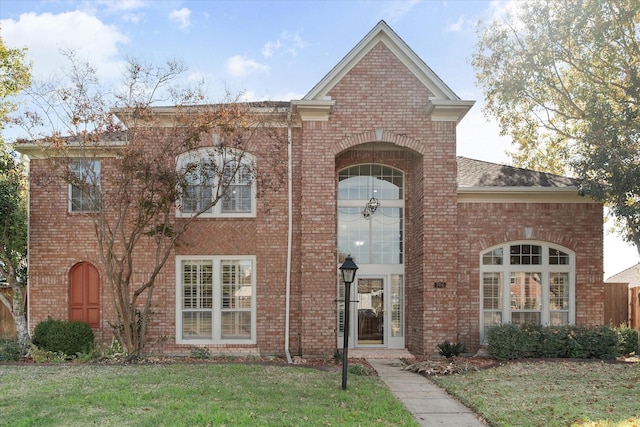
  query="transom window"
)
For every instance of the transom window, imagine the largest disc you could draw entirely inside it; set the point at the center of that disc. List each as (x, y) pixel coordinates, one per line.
(84, 189)
(218, 183)
(215, 300)
(526, 282)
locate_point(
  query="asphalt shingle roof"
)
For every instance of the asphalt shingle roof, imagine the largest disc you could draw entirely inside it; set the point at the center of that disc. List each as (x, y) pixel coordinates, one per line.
(478, 173)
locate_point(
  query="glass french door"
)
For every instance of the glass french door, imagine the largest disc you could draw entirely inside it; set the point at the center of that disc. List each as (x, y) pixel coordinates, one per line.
(370, 322)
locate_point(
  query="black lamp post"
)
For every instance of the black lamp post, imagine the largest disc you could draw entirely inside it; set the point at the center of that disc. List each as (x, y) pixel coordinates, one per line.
(348, 270)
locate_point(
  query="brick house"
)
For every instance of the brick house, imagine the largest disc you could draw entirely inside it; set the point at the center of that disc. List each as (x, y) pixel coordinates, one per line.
(455, 246)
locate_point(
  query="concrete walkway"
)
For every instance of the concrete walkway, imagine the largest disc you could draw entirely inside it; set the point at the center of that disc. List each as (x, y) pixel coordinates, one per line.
(429, 404)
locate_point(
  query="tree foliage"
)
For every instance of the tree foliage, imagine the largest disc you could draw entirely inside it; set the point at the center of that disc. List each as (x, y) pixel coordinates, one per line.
(140, 181)
(561, 78)
(14, 77)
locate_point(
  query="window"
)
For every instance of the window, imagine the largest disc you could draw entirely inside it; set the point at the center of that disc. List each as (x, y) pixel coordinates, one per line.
(533, 284)
(84, 190)
(220, 178)
(378, 238)
(215, 300)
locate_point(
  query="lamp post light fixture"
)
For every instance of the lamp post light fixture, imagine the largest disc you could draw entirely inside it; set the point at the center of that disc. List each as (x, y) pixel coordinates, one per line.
(348, 270)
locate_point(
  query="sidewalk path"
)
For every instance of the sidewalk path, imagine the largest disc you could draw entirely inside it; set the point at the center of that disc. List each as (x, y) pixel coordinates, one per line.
(429, 404)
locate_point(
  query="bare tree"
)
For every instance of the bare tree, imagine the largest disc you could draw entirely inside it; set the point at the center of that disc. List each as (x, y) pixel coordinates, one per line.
(131, 170)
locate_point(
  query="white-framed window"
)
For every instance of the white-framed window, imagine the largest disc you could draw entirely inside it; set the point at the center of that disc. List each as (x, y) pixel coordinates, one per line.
(218, 183)
(377, 238)
(526, 282)
(215, 300)
(84, 190)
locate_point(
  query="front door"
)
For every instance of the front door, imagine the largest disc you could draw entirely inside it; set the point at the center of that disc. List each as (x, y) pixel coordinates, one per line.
(370, 323)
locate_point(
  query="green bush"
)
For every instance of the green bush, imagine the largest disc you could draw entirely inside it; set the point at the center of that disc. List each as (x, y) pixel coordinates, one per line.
(358, 369)
(43, 356)
(628, 339)
(200, 353)
(511, 341)
(449, 350)
(507, 342)
(62, 336)
(9, 350)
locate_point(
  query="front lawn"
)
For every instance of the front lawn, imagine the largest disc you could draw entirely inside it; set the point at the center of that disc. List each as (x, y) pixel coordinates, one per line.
(203, 394)
(551, 393)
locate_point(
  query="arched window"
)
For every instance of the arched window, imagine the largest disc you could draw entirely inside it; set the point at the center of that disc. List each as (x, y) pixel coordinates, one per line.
(84, 294)
(371, 237)
(217, 183)
(526, 282)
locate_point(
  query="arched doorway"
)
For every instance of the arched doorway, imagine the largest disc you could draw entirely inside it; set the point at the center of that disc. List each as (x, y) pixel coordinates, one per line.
(84, 294)
(375, 239)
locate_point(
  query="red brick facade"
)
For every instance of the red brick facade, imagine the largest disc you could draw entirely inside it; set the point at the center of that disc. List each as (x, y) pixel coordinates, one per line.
(380, 87)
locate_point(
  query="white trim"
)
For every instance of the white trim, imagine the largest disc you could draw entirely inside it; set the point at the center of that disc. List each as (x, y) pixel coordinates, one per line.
(216, 309)
(521, 195)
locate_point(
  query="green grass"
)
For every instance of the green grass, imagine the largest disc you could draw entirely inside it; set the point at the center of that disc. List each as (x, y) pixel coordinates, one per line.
(192, 395)
(551, 393)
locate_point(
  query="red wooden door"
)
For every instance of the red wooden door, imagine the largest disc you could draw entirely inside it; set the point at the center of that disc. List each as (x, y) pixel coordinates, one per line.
(84, 294)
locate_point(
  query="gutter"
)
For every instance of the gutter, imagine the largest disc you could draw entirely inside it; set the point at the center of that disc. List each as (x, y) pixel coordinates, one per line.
(289, 240)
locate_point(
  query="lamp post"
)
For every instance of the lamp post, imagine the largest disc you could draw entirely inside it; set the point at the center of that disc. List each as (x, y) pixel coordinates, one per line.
(348, 270)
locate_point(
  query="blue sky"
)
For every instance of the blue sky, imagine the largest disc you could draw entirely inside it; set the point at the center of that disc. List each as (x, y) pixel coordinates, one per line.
(275, 50)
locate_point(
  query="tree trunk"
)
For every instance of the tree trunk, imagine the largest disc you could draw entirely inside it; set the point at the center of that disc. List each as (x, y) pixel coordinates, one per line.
(20, 318)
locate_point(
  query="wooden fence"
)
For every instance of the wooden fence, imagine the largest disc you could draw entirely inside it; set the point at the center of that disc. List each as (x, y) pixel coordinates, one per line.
(7, 326)
(622, 305)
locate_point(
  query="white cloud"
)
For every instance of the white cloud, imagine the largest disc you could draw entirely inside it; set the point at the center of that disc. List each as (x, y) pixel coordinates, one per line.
(395, 10)
(239, 66)
(134, 18)
(46, 34)
(269, 47)
(290, 42)
(294, 41)
(455, 27)
(121, 5)
(181, 17)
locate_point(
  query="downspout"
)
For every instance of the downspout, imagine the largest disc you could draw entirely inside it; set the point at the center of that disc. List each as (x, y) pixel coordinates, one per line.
(289, 239)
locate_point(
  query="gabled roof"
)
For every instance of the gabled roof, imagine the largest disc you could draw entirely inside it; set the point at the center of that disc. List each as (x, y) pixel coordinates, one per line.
(631, 276)
(444, 105)
(478, 173)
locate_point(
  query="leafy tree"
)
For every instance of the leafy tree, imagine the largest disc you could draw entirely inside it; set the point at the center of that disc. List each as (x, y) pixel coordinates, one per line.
(561, 77)
(14, 76)
(132, 205)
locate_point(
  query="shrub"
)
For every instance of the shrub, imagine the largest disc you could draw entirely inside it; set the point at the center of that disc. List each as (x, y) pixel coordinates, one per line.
(511, 341)
(628, 338)
(507, 342)
(358, 369)
(61, 336)
(43, 356)
(9, 350)
(200, 353)
(598, 342)
(450, 350)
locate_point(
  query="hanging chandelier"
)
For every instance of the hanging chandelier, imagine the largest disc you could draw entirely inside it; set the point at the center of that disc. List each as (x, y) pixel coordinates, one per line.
(373, 204)
(370, 208)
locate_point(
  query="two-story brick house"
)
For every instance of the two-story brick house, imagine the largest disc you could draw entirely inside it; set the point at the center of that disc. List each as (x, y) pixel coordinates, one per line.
(455, 245)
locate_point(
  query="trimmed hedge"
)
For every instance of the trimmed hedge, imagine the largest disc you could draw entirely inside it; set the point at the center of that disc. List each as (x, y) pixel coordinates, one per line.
(511, 341)
(68, 337)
